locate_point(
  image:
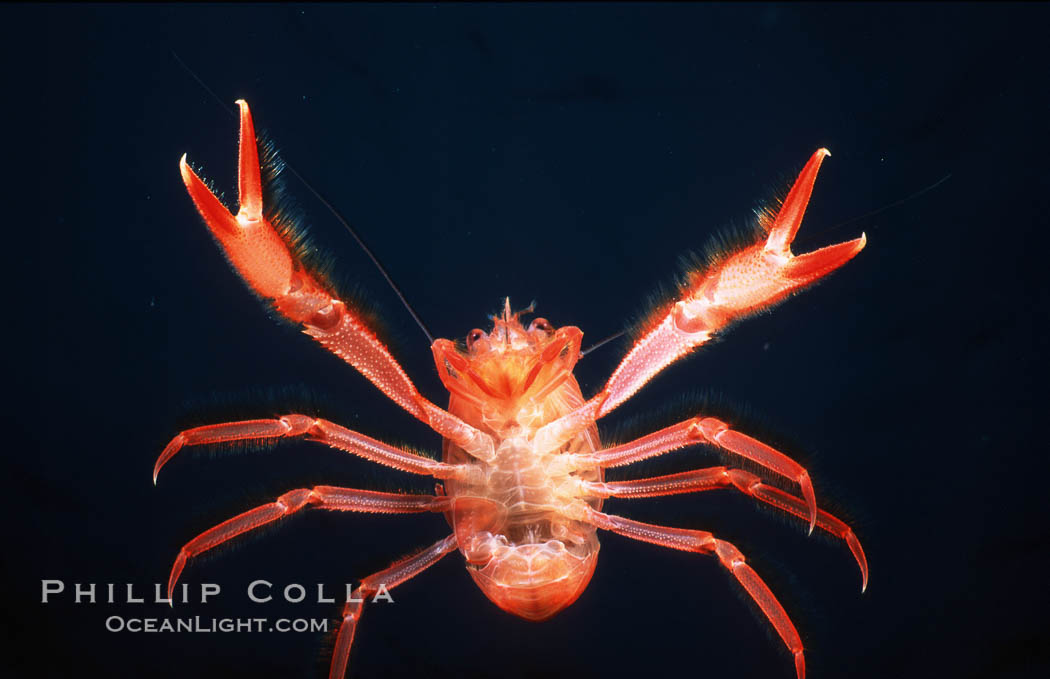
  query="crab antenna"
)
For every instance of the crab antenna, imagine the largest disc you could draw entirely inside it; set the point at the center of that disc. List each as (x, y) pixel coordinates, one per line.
(876, 211)
(339, 217)
(371, 256)
(608, 339)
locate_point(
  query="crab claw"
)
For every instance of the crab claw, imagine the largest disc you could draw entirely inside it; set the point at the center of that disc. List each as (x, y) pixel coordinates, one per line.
(805, 269)
(765, 273)
(759, 276)
(253, 246)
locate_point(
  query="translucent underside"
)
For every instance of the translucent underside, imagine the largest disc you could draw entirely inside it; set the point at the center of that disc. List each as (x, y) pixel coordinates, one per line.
(523, 548)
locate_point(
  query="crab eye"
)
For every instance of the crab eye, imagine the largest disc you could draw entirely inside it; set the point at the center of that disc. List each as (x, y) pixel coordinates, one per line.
(542, 325)
(473, 336)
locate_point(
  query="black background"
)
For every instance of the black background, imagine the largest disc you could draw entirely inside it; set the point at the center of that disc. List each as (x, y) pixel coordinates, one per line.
(567, 154)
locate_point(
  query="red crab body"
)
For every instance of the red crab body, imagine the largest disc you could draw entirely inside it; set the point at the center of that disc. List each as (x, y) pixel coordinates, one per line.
(522, 475)
(524, 550)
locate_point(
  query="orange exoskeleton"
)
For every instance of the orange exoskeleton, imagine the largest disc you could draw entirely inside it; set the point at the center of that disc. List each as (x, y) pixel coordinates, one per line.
(521, 477)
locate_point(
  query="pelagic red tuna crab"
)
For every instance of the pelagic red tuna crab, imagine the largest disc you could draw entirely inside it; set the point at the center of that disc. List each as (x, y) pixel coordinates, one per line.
(522, 474)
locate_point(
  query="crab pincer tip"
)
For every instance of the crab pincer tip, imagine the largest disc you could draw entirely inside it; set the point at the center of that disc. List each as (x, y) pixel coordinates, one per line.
(184, 168)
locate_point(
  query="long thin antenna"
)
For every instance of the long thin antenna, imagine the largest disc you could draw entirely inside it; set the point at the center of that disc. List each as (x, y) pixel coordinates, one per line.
(339, 217)
(368, 251)
(895, 203)
(876, 211)
(608, 339)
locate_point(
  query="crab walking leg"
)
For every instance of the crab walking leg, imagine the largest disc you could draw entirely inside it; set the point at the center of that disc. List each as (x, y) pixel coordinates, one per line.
(730, 557)
(742, 283)
(323, 497)
(715, 478)
(388, 578)
(313, 429)
(717, 433)
(263, 259)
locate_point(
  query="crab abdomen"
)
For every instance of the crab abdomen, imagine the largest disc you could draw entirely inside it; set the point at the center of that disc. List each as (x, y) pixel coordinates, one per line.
(515, 520)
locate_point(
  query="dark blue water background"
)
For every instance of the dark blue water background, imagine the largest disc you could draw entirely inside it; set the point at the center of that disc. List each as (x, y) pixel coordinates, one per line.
(567, 154)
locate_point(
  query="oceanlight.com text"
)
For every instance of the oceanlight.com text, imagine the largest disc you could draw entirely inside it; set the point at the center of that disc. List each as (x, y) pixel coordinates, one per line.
(205, 625)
